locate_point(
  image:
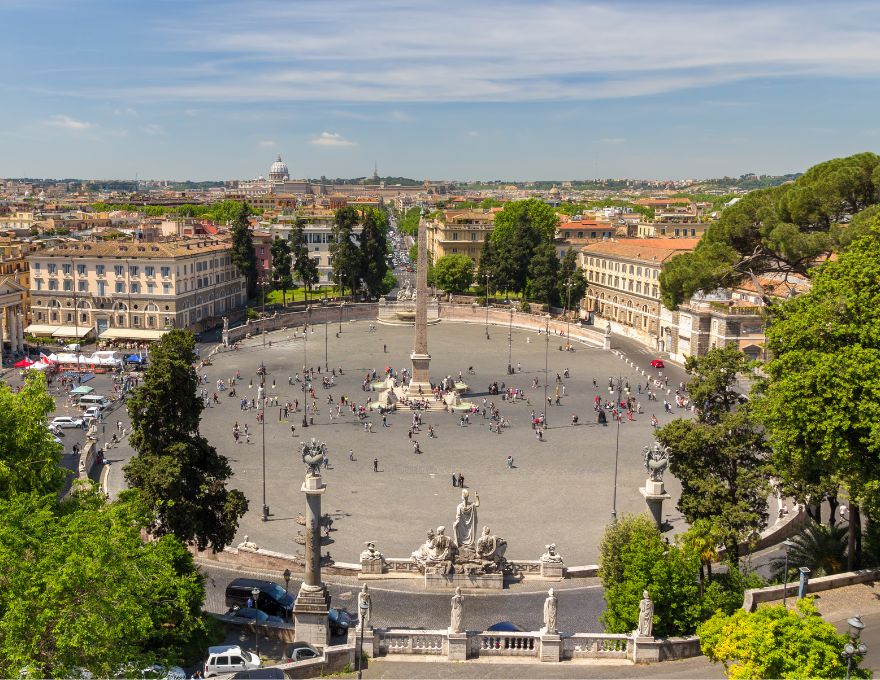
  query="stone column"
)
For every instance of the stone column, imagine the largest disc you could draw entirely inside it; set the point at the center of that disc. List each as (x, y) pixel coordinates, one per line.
(20, 321)
(655, 494)
(421, 360)
(313, 601)
(2, 334)
(13, 331)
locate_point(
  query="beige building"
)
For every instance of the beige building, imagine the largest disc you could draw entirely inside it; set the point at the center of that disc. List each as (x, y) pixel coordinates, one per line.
(460, 232)
(132, 290)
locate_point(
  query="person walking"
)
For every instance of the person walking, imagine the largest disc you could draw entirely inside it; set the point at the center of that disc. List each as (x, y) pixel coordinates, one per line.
(375, 465)
(510, 462)
(454, 480)
(351, 454)
(460, 480)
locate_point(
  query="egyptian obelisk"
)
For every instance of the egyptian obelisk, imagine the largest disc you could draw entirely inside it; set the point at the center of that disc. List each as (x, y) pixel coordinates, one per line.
(421, 360)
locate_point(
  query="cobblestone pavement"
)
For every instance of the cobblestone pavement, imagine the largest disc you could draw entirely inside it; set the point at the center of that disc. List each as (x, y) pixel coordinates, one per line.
(560, 490)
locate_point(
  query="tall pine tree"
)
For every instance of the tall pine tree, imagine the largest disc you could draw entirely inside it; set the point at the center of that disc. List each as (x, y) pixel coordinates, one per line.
(243, 256)
(374, 251)
(344, 254)
(281, 263)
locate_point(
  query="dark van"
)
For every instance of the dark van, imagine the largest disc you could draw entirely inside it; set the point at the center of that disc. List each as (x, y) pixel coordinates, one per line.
(273, 599)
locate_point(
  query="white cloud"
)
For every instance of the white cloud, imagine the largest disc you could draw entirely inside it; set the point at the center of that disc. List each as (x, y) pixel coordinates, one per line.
(613, 140)
(266, 144)
(68, 123)
(331, 139)
(473, 133)
(400, 117)
(153, 129)
(466, 51)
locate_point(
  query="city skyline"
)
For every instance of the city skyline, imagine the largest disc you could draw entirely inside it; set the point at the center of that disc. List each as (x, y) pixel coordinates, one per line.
(515, 90)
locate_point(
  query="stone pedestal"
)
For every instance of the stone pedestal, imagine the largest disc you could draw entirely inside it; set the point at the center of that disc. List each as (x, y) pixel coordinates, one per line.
(371, 640)
(551, 647)
(458, 644)
(464, 581)
(606, 342)
(372, 567)
(420, 373)
(645, 649)
(552, 571)
(313, 601)
(655, 494)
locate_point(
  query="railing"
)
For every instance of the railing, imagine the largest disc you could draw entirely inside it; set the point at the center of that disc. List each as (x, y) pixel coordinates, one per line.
(506, 644)
(395, 641)
(596, 646)
(396, 564)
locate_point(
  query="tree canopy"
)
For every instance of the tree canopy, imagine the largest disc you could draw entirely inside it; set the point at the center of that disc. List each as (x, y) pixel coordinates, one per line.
(345, 256)
(83, 590)
(243, 255)
(544, 274)
(542, 221)
(374, 251)
(180, 475)
(780, 230)
(30, 460)
(454, 273)
(775, 642)
(282, 276)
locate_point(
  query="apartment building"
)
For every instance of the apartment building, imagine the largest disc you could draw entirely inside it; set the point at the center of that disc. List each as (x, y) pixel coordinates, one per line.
(460, 232)
(130, 289)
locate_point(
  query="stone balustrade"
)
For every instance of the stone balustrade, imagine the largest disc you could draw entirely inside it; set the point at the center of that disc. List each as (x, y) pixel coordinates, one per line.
(406, 641)
(506, 644)
(596, 646)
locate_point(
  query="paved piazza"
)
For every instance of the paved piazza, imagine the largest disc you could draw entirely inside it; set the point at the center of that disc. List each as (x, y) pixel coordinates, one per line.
(560, 490)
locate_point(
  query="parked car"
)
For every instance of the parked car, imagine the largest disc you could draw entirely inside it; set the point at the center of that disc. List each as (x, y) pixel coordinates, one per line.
(250, 615)
(229, 659)
(299, 651)
(339, 620)
(273, 599)
(504, 627)
(92, 413)
(64, 422)
(658, 363)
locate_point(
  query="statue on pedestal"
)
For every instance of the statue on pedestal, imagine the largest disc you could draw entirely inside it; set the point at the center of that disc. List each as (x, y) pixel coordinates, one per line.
(646, 616)
(365, 605)
(656, 460)
(466, 520)
(490, 550)
(313, 456)
(551, 555)
(550, 607)
(457, 613)
(371, 554)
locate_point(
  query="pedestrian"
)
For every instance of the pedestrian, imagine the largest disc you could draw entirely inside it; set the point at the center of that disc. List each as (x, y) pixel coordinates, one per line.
(385, 349)
(454, 480)
(460, 480)
(351, 454)
(510, 462)
(293, 430)
(384, 420)
(118, 425)
(416, 448)
(375, 465)
(326, 461)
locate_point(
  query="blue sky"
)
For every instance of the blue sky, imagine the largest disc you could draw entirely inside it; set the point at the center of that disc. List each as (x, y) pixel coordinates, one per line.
(454, 90)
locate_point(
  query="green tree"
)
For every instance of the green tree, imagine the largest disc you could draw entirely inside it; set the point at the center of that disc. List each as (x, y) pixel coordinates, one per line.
(303, 265)
(243, 255)
(30, 460)
(782, 230)
(775, 642)
(389, 283)
(487, 261)
(570, 273)
(544, 274)
(514, 254)
(180, 475)
(820, 547)
(345, 256)
(83, 590)
(454, 273)
(821, 402)
(721, 459)
(281, 267)
(634, 558)
(541, 218)
(374, 251)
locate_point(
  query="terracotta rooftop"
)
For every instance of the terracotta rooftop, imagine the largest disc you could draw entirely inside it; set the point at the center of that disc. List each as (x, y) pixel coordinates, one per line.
(132, 249)
(646, 249)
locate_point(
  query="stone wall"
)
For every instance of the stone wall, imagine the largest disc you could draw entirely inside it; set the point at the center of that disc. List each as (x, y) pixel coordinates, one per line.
(314, 314)
(757, 596)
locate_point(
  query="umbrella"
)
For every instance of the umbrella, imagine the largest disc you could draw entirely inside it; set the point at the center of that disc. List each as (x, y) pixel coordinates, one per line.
(83, 389)
(24, 363)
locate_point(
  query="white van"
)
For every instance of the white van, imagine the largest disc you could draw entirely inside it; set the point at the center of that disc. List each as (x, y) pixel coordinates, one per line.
(90, 400)
(229, 659)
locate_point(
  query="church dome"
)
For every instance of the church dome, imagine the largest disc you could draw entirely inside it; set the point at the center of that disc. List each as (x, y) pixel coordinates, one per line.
(278, 171)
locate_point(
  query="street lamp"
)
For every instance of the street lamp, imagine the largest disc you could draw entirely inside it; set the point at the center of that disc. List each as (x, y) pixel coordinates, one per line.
(256, 593)
(618, 387)
(362, 614)
(341, 305)
(326, 368)
(305, 366)
(567, 316)
(789, 544)
(263, 419)
(546, 365)
(263, 285)
(855, 647)
(488, 276)
(510, 343)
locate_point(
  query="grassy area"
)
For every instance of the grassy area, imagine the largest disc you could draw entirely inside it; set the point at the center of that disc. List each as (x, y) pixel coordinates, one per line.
(273, 297)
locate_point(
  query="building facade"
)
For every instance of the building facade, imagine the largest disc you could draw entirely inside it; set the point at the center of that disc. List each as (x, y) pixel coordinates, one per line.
(132, 290)
(460, 232)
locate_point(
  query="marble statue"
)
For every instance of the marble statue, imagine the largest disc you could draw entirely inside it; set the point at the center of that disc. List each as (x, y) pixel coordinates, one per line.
(490, 550)
(455, 619)
(656, 460)
(247, 544)
(444, 552)
(608, 329)
(371, 554)
(466, 520)
(225, 324)
(551, 604)
(424, 552)
(551, 555)
(365, 605)
(646, 615)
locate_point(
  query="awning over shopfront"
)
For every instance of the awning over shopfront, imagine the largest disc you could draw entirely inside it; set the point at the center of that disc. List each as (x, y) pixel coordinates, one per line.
(132, 334)
(82, 389)
(71, 331)
(40, 329)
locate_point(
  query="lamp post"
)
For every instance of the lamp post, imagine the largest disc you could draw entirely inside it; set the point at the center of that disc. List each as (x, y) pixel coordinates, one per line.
(341, 304)
(256, 593)
(263, 285)
(362, 613)
(263, 427)
(546, 365)
(855, 647)
(618, 387)
(568, 316)
(510, 343)
(488, 276)
(326, 368)
(789, 544)
(305, 422)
